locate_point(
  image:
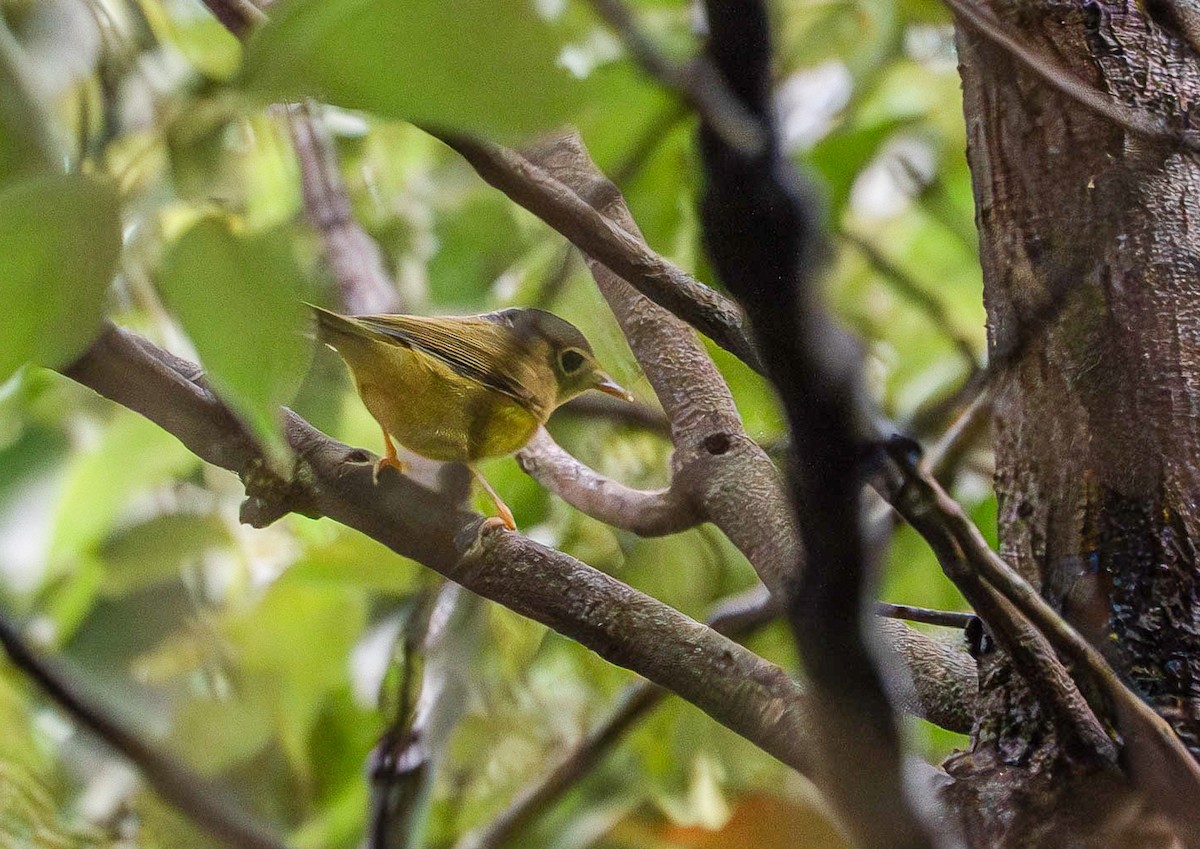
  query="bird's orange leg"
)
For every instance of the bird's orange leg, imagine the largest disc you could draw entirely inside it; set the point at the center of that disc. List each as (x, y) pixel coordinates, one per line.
(505, 519)
(389, 458)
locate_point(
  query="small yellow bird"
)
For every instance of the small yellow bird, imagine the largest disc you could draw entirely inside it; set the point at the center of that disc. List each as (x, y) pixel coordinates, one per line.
(463, 388)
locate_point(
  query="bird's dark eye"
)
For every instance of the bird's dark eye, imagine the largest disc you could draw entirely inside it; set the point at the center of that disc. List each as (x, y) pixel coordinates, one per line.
(570, 360)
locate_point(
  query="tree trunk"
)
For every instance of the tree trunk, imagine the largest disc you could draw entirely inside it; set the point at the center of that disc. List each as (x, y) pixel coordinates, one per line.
(1092, 287)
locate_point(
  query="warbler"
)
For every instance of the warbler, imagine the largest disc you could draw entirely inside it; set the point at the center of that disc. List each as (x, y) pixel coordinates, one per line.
(463, 388)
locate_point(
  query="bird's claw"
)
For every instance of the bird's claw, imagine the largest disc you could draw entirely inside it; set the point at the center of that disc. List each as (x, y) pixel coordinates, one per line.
(493, 523)
(388, 463)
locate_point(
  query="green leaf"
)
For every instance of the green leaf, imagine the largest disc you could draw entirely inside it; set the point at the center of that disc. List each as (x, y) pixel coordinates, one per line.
(842, 156)
(489, 66)
(28, 145)
(238, 298)
(132, 455)
(157, 549)
(62, 237)
(293, 649)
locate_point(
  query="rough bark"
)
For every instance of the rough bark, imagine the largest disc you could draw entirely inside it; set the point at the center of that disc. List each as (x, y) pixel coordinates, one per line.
(1090, 281)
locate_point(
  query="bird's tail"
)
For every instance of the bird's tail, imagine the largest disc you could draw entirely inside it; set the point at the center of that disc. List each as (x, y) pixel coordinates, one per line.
(335, 329)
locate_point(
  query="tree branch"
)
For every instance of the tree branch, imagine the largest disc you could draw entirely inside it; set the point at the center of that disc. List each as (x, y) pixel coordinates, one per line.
(716, 466)
(1152, 754)
(944, 618)
(633, 414)
(654, 513)
(353, 257)
(735, 687)
(762, 235)
(708, 311)
(204, 802)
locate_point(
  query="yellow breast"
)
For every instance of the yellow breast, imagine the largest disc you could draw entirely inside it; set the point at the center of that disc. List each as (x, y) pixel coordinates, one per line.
(435, 412)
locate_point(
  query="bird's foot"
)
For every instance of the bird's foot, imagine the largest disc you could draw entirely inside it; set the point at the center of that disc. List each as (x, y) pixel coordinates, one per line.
(388, 463)
(495, 523)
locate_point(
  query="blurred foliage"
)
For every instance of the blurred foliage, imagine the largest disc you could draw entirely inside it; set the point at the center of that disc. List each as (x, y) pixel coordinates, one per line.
(269, 659)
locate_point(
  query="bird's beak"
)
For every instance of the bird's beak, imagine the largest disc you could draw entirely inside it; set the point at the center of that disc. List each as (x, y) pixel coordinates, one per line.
(610, 387)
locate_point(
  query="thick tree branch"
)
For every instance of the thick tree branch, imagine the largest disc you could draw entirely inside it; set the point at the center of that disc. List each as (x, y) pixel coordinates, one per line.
(645, 513)
(622, 625)
(753, 697)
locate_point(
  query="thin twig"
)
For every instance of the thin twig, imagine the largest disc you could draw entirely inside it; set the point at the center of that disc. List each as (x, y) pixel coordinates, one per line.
(634, 414)
(736, 618)
(1032, 654)
(925, 615)
(697, 83)
(205, 803)
(915, 293)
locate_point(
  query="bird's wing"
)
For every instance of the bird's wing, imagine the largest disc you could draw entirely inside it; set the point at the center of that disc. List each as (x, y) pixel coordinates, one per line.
(476, 347)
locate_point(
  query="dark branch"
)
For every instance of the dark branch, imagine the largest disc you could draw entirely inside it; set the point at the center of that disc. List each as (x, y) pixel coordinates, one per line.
(237, 16)
(1156, 759)
(205, 803)
(403, 765)
(725, 474)
(716, 466)
(635, 414)
(761, 232)
(944, 618)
